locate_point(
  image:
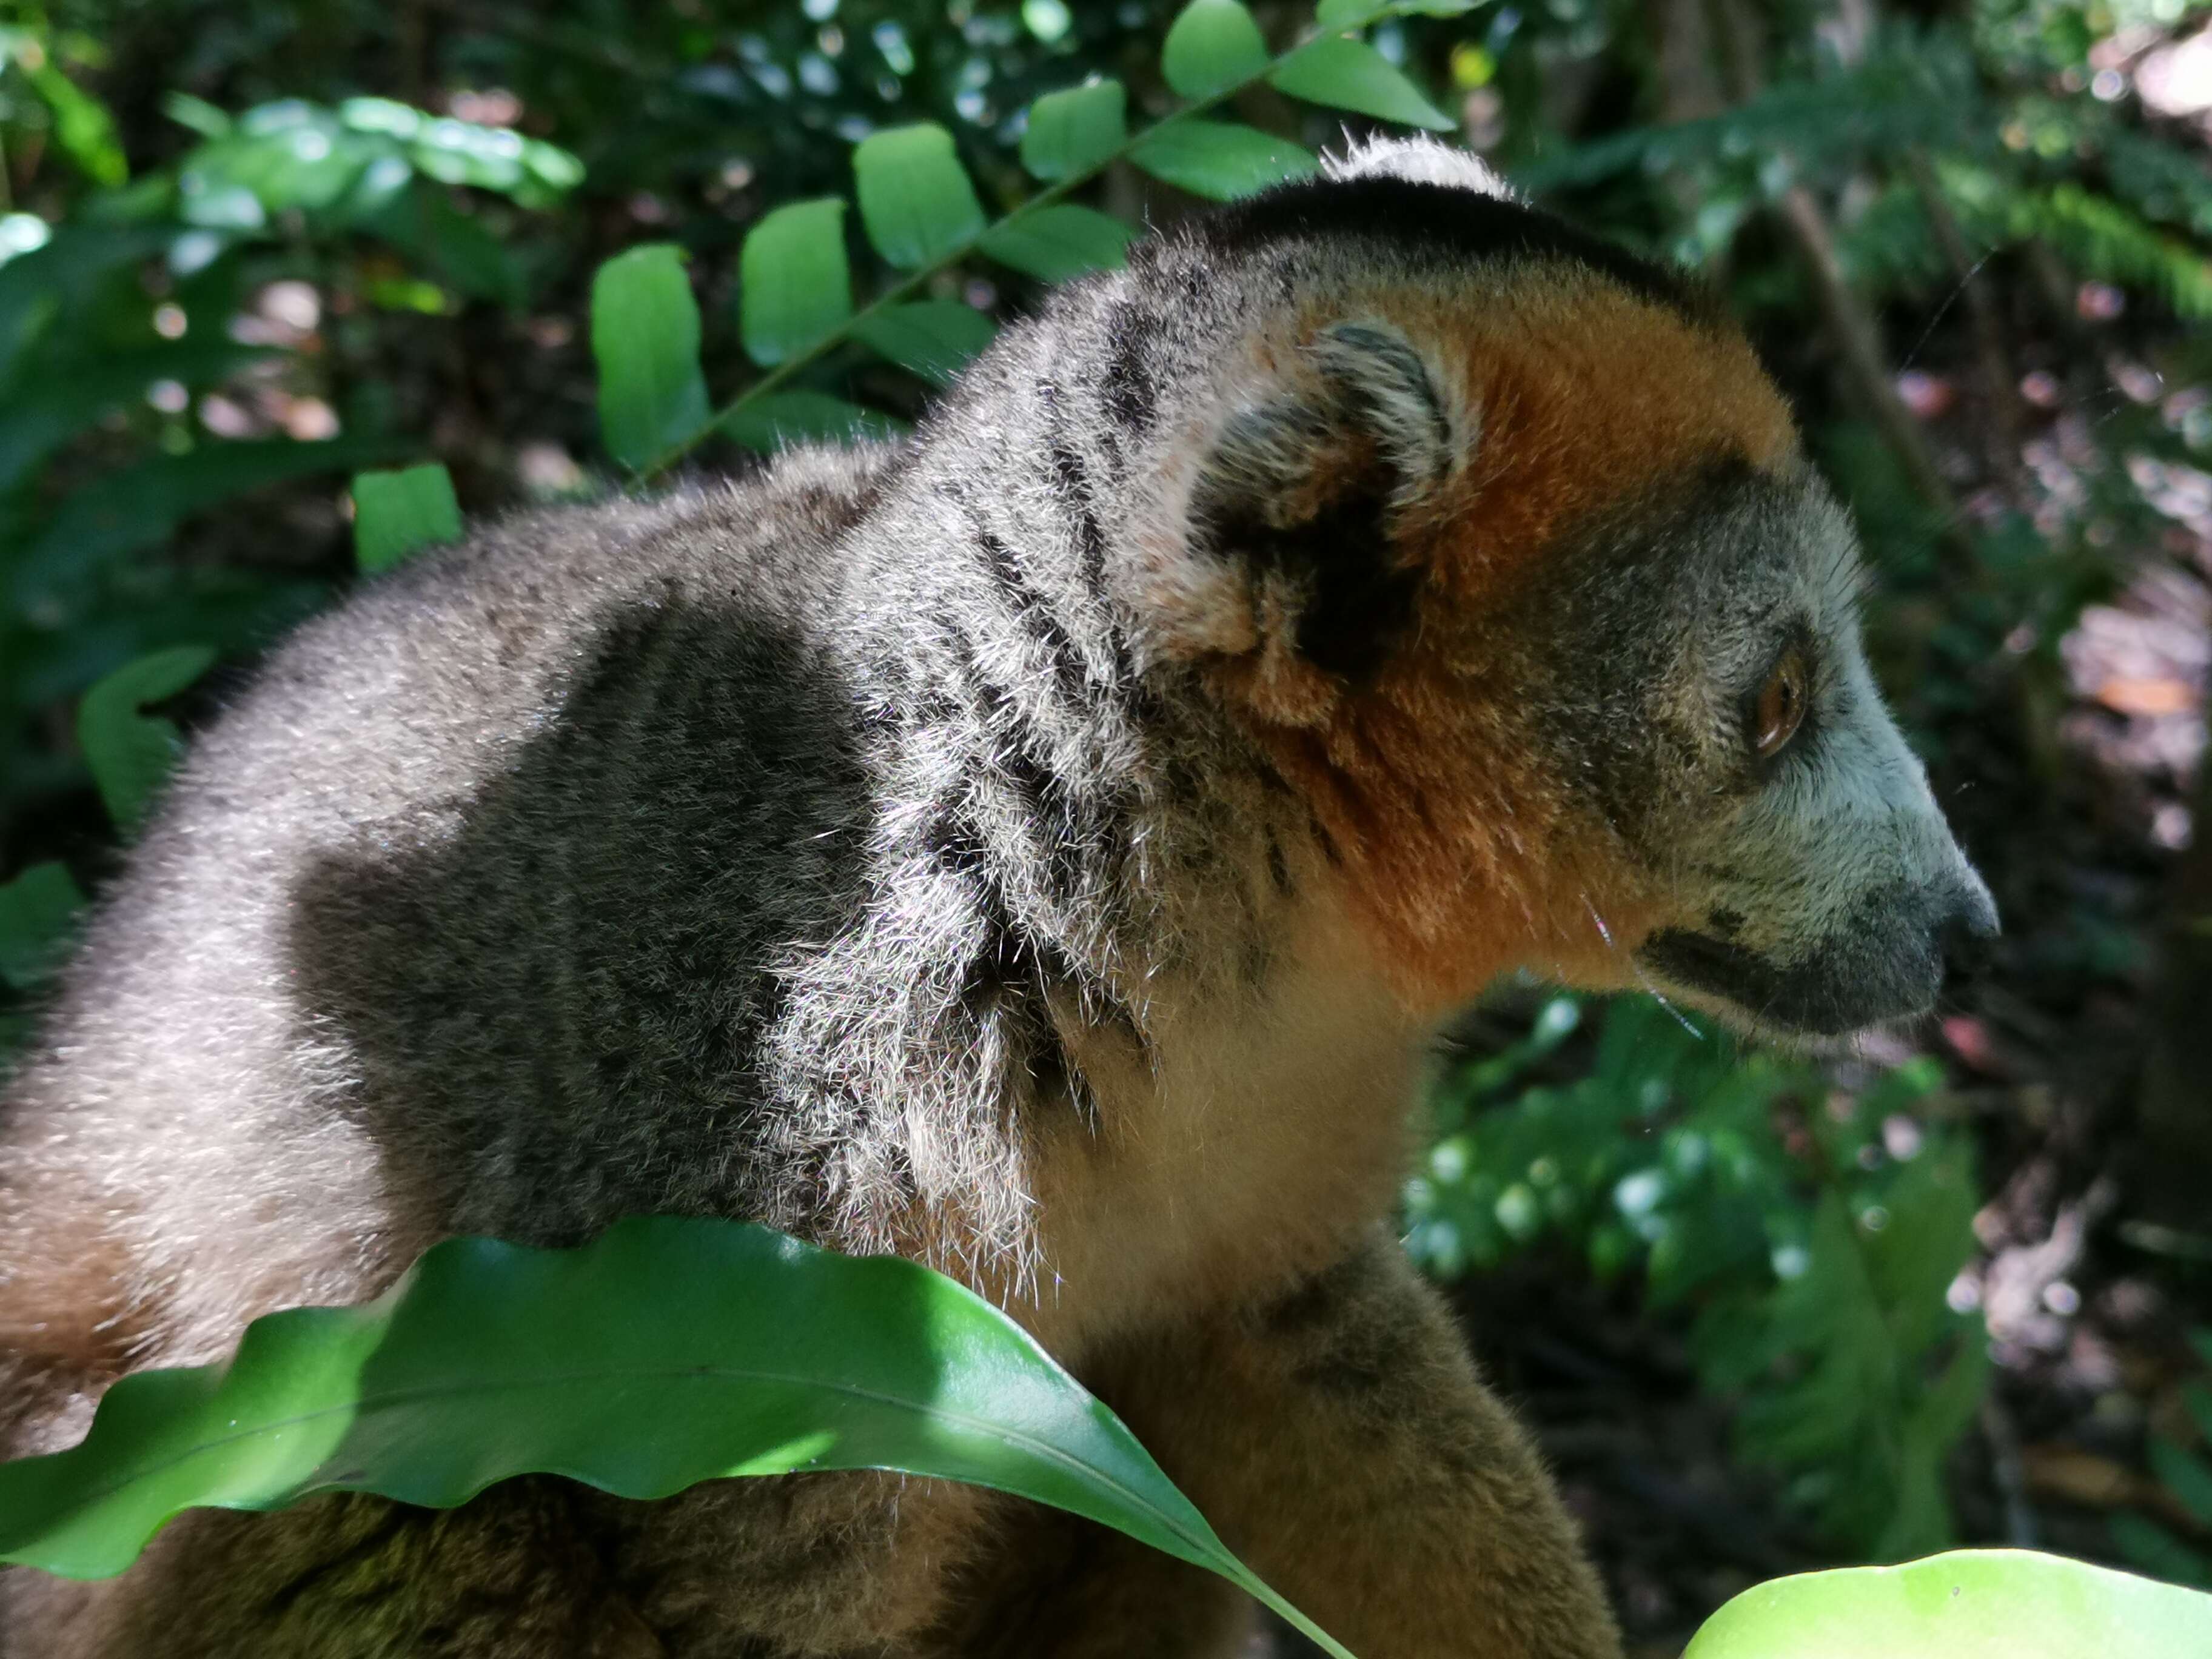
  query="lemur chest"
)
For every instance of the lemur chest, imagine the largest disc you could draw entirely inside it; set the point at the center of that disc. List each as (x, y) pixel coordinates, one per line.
(1245, 1146)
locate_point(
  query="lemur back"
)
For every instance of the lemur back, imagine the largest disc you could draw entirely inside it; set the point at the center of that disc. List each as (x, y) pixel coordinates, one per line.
(1040, 848)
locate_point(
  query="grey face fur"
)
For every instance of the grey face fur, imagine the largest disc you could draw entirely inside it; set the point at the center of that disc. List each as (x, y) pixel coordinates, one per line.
(1820, 887)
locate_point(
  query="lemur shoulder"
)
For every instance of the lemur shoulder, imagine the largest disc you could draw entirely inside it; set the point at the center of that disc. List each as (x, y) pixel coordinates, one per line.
(1043, 848)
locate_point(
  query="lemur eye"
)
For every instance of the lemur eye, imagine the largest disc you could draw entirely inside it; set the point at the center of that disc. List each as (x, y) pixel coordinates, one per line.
(1781, 707)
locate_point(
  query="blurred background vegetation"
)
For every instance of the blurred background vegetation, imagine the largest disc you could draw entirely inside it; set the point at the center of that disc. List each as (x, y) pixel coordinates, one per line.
(1766, 1311)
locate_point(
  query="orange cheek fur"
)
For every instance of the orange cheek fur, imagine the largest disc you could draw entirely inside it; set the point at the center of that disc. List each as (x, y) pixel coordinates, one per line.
(1464, 855)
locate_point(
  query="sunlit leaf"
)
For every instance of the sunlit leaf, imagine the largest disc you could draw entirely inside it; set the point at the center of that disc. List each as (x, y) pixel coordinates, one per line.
(645, 336)
(933, 338)
(795, 285)
(1053, 244)
(777, 420)
(1221, 159)
(399, 513)
(130, 752)
(1072, 131)
(38, 914)
(1212, 46)
(915, 199)
(1970, 1604)
(82, 127)
(671, 1351)
(1347, 74)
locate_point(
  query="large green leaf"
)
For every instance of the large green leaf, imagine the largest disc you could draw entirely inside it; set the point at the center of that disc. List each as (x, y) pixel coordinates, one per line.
(1072, 131)
(1348, 74)
(396, 513)
(1221, 159)
(1969, 1604)
(1212, 46)
(38, 913)
(933, 338)
(795, 285)
(645, 336)
(915, 199)
(777, 420)
(1053, 244)
(130, 753)
(671, 1351)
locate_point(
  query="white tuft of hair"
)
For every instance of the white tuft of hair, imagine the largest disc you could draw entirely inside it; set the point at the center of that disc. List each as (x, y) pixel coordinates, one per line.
(1424, 160)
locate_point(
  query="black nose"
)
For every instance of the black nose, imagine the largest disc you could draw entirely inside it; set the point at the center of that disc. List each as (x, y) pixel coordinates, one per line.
(1969, 925)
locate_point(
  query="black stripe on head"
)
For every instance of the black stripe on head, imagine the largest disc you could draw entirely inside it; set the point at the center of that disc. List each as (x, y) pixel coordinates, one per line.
(1439, 221)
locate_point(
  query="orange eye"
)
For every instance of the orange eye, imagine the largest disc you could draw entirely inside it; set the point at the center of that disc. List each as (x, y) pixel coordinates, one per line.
(1781, 709)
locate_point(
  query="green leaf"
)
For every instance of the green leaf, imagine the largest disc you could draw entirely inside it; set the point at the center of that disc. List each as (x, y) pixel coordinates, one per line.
(795, 286)
(1357, 14)
(933, 338)
(197, 113)
(422, 221)
(2144, 1544)
(130, 753)
(83, 126)
(2187, 1477)
(1347, 74)
(35, 286)
(915, 199)
(777, 420)
(138, 507)
(38, 914)
(1221, 159)
(399, 513)
(1969, 1604)
(1212, 45)
(645, 336)
(672, 1351)
(2198, 1400)
(1053, 244)
(1072, 131)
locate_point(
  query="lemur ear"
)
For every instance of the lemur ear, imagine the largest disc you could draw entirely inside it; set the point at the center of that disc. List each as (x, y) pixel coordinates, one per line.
(1300, 511)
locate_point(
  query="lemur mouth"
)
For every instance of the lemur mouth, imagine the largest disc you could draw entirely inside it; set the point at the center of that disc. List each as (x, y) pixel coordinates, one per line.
(1833, 992)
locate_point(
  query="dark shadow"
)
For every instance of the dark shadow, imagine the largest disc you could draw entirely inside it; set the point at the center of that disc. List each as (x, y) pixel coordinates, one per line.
(555, 1010)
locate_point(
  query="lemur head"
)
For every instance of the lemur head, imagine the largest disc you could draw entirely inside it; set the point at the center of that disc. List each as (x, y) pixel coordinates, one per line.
(1499, 546)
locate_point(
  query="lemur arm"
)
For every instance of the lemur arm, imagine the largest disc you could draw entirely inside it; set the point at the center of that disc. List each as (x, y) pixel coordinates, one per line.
(1341, 1442)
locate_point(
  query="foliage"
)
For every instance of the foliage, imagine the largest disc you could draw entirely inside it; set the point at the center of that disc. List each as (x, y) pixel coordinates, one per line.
(672, 1351)
(1810, 1234)
(669, 1352)
(100, 362)
(1970, 1604)
(2187, 1477)
(923, 215)
(398, 512)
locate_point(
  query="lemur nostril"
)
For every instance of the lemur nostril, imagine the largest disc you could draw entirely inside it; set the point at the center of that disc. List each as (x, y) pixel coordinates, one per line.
(1965, 935)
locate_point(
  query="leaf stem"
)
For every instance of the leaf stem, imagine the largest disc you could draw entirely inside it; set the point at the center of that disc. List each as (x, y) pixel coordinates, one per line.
(783, 372)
